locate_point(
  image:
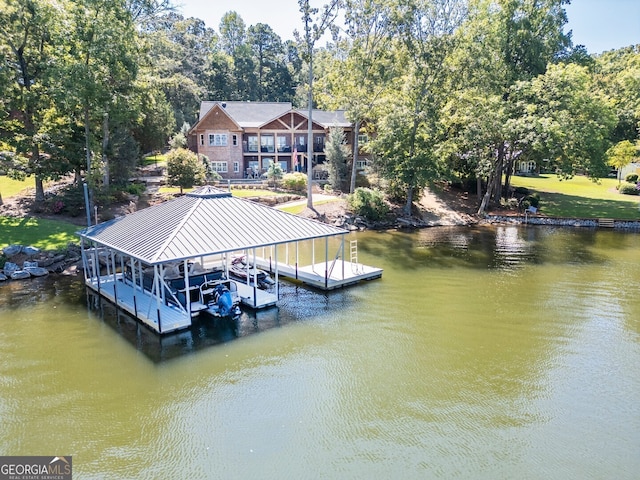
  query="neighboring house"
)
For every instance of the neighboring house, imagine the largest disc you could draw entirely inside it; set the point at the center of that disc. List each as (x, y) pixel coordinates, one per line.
(241, 138)
(633, 167)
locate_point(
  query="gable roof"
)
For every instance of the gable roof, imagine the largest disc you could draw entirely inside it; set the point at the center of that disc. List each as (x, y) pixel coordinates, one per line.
(205, 222)
(248, 114)
(257, 114)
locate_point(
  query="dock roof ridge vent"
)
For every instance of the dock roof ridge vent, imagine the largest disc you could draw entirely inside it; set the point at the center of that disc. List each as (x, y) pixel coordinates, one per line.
(208, 192)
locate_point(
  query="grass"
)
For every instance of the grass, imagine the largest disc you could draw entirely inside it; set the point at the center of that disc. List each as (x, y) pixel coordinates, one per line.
(299, 208)
(40, 233)
(579, 197)
(236, 192)
(157, 160)
(11, 188)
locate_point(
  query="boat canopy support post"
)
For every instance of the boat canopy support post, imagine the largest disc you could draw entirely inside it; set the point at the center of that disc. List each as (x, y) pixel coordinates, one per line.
(187, 288)
(326, 262)
(156, 286)
(277, 282)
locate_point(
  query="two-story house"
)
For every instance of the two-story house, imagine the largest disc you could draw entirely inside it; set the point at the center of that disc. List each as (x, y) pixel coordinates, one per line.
(241, 138)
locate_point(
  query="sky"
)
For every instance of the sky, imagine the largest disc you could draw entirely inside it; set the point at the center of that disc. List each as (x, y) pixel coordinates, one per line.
(599, 25)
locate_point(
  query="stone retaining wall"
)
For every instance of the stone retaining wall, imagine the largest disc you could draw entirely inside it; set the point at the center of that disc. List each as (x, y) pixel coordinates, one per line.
(561, 222)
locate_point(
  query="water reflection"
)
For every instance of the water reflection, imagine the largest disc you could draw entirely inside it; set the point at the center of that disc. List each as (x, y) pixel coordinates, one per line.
(296, 304)
(481, 353)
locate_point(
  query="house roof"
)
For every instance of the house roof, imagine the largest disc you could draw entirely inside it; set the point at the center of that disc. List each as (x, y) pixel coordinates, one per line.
(249, 114)
(207, 221)
(256, 114)
(327, 119)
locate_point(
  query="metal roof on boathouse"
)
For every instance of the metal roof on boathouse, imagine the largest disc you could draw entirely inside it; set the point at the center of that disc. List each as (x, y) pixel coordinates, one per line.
(204, 222)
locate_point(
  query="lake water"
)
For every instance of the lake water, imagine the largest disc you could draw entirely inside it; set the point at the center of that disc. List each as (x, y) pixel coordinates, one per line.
(482, 353)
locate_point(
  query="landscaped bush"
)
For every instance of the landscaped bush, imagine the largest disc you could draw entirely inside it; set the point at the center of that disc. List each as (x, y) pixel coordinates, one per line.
(136, 188)
(509, 203)
(631, 178)
(628, 189)
(533, 199)
(368, 203)
(521, 191)
(296, 181)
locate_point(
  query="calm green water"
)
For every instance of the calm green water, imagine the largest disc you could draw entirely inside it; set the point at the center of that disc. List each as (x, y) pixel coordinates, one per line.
(506, 353)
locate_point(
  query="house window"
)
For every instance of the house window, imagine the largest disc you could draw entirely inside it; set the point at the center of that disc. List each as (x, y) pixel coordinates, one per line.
(363, 138)
(220, 167)
(236, 166)
(283, 144)
(217, 139)
(266, 144)
(361, 164)
(234, 140)
(252, 142)
(201, 139)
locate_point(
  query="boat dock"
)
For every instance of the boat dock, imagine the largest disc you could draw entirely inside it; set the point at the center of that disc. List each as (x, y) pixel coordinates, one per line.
(324, 275)
(154, 257)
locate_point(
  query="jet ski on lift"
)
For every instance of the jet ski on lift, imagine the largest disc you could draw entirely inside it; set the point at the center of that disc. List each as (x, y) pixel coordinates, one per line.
(240, 270)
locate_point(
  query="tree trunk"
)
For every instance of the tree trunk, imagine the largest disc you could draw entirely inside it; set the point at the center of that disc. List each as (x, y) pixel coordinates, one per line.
(479, 189)
(35, 161)
(39, 189)
(87, 131)
(354, 166)
(407, 207)
(508, 173)
(487, 197)
(497, 188)
(105, 145)
(310, 136)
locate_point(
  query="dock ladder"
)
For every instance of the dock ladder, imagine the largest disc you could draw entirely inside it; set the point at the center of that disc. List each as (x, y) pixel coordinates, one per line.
(353, 247)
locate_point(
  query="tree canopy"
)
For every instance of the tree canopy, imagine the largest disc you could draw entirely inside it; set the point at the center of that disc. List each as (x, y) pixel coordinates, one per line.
(458, 90)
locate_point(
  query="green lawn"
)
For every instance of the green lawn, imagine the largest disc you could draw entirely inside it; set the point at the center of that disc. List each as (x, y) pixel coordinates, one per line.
(10, 187)
(579, 197)
(40, 233)
(158, 160)
(298, 208)
(236, 192)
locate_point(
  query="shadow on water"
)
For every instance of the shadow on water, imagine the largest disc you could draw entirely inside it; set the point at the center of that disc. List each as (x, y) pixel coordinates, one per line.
(296, 304)
(503, 247)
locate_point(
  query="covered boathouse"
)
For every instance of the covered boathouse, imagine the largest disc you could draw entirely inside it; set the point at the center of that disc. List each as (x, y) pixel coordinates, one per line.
(154, 263)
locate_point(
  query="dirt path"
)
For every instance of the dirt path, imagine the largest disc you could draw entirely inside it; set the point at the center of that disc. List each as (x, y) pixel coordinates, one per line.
(435, 212)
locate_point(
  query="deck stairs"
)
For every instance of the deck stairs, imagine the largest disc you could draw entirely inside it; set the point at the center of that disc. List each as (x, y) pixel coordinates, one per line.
(605, 223)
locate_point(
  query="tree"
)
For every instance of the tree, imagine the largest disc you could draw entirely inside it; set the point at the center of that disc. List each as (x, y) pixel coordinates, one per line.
(184, 169)
(336, 152)
(617, 74)
(233, 32)
(621, 155)
(501, 43)
(274, 80)
(361, 67)
(314, 27)
(274, 172)
(156, 119)
(566, 120)
(411, 114)
(28, 33)
(101, 70)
